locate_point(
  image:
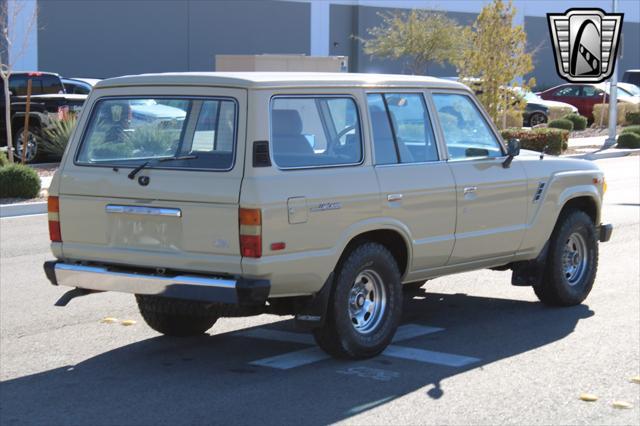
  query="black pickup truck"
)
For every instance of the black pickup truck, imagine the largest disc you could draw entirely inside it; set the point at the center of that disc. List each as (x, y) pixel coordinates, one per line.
(49, 101)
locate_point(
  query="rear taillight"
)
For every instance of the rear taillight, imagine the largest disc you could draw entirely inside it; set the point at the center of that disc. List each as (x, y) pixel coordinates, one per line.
(53, 207)
(250, 232)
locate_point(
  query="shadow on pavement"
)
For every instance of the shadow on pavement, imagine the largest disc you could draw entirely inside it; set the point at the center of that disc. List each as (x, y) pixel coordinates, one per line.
(209, 379)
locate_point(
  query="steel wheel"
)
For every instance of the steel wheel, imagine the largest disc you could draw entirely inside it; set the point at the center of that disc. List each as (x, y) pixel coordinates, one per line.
(574, 258)
(367, 301)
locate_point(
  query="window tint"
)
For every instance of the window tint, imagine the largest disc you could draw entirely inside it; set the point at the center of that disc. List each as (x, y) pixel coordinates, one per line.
(132, 131)
(315, 131)
(383, 144)
(568, 91)
(466, 132)
(51, 84)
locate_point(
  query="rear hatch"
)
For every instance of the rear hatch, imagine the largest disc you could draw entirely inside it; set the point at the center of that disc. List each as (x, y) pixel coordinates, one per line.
(153, 180)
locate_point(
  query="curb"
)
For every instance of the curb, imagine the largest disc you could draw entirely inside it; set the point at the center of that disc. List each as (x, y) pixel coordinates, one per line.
(22, 209)
(600, 155)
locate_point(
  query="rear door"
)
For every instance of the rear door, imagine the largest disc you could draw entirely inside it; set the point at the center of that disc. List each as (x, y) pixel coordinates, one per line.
(180, 210)
(417, 188)
(491, 199)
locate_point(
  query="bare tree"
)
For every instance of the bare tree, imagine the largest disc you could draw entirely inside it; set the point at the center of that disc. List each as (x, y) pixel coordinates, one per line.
(12, 12)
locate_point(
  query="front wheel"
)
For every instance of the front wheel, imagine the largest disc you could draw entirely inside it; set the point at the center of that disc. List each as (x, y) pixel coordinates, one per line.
(572, 261)
(31, 152)
(365, 306)
(537, 118)
(174, 317)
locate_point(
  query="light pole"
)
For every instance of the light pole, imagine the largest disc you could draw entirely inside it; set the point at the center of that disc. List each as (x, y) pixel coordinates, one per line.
(613, 97)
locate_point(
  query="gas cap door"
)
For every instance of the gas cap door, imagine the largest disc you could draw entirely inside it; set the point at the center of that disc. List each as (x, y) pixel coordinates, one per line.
(297, 208)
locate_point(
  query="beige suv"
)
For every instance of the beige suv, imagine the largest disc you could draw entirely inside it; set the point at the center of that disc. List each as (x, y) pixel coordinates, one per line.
(315, 195)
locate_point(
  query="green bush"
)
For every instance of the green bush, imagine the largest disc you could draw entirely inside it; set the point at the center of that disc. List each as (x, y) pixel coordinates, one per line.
(632, 117)
(554, 140)
(56, 137)
(579, 121)
(3, 159)
(632, 129)
(561, 123)
(19, 181)
(556, 112)
(629, 140)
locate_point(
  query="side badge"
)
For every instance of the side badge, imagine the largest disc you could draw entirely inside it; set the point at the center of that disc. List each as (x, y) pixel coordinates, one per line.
(143, 180)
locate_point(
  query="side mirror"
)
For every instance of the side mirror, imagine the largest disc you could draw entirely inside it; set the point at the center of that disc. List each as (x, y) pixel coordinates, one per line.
(513, 149)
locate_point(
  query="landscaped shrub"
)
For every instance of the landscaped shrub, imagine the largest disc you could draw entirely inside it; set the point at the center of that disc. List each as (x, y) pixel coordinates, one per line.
(511, 118)
(19, 181)
(556, 112)
(555, 140)
(632, 117)
(579, 121)
(561, 123)
(3, 159)
(601, 113)
(629, 140)
(632, 129)
(55, 138)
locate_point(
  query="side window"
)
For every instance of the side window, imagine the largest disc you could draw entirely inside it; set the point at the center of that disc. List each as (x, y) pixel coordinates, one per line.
(591, 92)
(568, 91)
(315, 132)
(383, 143)
(466, 132)
(50, 84)
(409, 135)
(414, 135)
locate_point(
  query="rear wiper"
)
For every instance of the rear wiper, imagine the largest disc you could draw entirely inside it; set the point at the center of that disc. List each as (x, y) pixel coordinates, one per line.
(135, 171)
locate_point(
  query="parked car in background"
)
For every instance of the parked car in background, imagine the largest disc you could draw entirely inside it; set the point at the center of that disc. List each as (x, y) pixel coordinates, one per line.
(537, 109)
(49, 101)
(79, 86)
(585, 96)
(631, 76)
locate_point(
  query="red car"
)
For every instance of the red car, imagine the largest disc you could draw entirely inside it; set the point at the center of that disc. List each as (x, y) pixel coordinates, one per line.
(585, 96)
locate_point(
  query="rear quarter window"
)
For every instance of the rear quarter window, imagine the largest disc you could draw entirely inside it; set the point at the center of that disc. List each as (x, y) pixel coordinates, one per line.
(315, 131)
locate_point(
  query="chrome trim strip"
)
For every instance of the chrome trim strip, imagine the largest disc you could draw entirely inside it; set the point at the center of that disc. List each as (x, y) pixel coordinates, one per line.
(102, 279)
(143, 210)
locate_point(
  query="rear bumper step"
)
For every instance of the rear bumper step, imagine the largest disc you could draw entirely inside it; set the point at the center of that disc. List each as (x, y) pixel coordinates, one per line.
(235, 291)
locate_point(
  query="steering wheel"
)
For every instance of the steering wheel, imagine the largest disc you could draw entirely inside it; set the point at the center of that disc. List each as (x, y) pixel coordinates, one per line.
(344, 131)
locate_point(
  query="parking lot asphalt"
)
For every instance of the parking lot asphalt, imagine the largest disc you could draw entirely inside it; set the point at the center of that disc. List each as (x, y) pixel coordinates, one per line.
(472, 350)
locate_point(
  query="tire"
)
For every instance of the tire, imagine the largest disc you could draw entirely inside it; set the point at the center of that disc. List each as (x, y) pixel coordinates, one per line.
(32, 146)
(572, 261)
(369, 274)
(174, 317)
(537, 118)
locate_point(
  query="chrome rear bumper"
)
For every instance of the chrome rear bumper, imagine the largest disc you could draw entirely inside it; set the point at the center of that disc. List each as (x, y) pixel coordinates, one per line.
(236, 291)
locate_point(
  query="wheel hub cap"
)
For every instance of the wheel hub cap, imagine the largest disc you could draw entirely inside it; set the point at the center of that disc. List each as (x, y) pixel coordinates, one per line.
(367, 302)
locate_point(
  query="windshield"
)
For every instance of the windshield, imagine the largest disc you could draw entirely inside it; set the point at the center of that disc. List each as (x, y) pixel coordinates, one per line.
(122, 133)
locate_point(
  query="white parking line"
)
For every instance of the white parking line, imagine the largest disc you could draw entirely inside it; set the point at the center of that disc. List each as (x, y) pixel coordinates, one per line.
(430, 357)
(315, 354)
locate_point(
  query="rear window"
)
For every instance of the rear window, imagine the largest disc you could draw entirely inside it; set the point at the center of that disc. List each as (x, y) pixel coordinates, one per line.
(41, 84)
(315, 132)
(200, 132)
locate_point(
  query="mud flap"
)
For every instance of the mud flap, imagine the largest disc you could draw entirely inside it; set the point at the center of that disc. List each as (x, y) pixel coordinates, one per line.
(530, 272)
(313, 313)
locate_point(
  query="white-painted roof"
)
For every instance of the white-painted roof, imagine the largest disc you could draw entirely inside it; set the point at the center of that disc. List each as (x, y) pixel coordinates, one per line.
(279, 79)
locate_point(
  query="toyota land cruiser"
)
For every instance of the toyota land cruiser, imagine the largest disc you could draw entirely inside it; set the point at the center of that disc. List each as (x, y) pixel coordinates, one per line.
(308, 194)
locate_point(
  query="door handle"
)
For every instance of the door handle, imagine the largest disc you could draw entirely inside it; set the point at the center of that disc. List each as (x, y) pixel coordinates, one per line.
(394, 197)
(470, 189)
